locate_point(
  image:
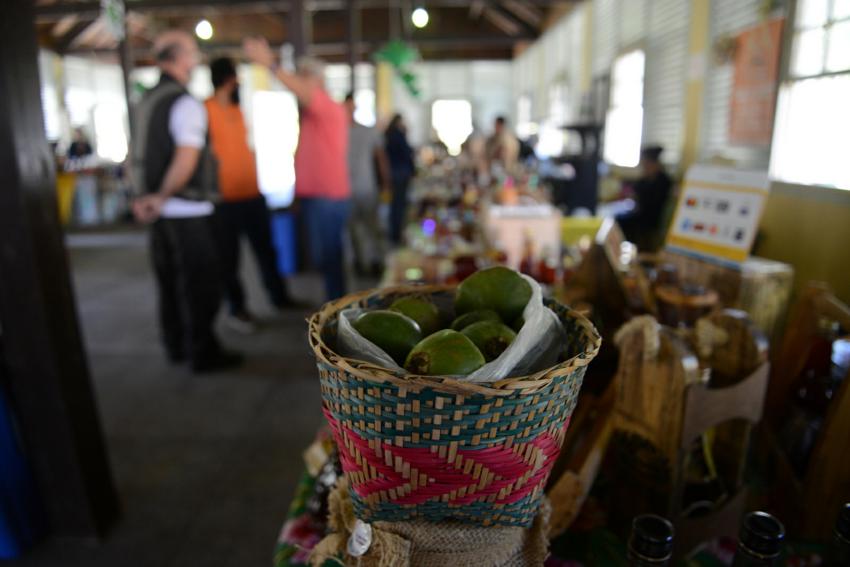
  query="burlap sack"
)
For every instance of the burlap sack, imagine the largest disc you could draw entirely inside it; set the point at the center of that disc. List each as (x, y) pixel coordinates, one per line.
(423, 544)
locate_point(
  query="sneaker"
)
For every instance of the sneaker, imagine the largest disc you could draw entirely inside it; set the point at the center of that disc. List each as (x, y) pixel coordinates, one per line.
(241, 323)
(223, 360)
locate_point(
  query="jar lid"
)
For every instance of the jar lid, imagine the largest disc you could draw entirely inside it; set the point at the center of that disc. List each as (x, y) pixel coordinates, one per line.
(652, 537)
(762, 533)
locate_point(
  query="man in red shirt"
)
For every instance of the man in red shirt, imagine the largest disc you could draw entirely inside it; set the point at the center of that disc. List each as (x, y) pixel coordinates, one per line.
(322, 185)
(242, 209)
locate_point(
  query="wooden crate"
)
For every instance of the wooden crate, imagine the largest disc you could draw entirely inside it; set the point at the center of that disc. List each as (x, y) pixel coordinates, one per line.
(662, 401)
(761, 288)
(810, 504)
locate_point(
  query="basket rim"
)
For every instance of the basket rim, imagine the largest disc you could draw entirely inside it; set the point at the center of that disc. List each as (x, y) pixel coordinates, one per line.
(373, 373)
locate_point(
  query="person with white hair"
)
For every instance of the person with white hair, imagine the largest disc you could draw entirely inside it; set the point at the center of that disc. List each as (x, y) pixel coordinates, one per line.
(174, 170)
(322, 184)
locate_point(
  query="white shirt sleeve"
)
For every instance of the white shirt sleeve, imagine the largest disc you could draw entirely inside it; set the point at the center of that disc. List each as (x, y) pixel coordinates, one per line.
(187, 122)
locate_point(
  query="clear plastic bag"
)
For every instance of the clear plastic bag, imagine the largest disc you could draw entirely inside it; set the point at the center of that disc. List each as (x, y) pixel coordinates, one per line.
(536, 347)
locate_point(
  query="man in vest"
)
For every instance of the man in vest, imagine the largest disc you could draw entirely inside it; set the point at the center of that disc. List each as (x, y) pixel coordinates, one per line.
(242, 209)
(175, 171)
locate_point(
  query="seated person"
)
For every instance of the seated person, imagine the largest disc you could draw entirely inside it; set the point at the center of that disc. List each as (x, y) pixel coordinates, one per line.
(651, 192)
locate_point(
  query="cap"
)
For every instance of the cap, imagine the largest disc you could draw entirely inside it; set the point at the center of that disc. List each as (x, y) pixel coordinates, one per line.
(652, 537)
(762, 534)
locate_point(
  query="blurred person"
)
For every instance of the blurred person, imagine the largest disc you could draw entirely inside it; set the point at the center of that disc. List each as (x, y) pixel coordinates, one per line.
(502, 146)
(174, 169)
(242, 209)
(365, 152)
(80, 146)
(651, 192)
(402, 169)
(322, 184)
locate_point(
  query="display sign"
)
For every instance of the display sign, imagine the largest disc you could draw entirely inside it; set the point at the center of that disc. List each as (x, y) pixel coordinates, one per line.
(754, 83)
(718, 212)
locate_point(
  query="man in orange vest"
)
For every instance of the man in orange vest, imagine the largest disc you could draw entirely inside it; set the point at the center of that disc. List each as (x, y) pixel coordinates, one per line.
(242, 209)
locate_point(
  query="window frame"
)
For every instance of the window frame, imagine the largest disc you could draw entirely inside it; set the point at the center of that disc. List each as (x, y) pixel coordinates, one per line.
(787, 80)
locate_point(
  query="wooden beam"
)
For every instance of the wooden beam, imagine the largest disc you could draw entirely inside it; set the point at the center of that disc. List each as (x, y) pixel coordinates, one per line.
(91, 8)
(527, 12)
(67, 40)
(502, 21)
(47, 369)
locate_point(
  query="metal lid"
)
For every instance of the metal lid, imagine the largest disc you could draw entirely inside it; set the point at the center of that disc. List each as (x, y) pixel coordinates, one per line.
(762, 534)
(652, 537)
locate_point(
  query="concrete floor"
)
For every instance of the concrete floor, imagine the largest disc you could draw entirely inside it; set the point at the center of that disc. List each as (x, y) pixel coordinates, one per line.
(205, 465)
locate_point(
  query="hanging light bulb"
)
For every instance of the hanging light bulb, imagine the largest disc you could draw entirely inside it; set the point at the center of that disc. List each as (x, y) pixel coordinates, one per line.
(204, 30)
(420, 17)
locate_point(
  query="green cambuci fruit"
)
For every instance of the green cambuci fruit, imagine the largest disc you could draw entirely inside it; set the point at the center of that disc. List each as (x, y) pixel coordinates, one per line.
(425, 313)
(490, 337)
(395, 333)
(500, 289)
(467, 319)
(445, 353)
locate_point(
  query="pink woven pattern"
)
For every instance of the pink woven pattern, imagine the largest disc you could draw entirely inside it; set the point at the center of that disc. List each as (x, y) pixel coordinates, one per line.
(498, 474)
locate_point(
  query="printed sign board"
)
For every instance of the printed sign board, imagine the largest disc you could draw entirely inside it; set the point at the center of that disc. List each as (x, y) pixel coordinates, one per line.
(718, 213)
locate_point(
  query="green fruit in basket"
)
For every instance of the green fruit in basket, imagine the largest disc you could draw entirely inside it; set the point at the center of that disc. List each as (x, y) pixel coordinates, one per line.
(395, 333)
(500, 289)
(468, 319)
(518, 323)
(445, 353)
(490, 337)
(420, 310)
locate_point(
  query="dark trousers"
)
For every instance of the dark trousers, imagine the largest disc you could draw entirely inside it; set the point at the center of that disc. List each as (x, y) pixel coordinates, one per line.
(250, 218)
(185, 259)
(326, 225)
(398, 207)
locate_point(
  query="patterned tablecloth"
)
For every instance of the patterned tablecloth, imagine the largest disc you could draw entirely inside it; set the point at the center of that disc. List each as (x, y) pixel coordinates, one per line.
(598, 547)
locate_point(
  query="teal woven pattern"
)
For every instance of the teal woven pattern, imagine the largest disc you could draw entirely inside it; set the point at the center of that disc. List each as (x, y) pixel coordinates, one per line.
(436, 449)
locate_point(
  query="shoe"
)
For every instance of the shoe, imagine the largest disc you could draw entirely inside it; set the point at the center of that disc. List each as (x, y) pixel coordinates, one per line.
(241, 323)
(223, 360)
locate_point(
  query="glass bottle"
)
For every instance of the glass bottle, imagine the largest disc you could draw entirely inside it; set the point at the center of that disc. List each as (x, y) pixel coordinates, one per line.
(812, 391)
(839, 551)
(759, 541)
(651, 541)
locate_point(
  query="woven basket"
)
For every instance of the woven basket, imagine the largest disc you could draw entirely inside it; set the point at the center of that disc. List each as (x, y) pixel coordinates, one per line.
(436, 448)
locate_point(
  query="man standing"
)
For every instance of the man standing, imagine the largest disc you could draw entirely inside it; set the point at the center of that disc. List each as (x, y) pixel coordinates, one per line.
(173, 168)
(242, 209)
(503, 146)
(321, 161)
(365, 152)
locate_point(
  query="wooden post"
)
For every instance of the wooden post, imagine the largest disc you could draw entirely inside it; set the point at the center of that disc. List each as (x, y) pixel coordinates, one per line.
(353, 41)
(298, 28)
(48, 372)
(125, 53)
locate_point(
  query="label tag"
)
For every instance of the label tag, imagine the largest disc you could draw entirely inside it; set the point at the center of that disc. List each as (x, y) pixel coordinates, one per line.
(360, 539)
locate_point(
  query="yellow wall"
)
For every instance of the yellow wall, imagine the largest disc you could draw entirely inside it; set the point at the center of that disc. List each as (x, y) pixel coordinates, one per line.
(809, 228)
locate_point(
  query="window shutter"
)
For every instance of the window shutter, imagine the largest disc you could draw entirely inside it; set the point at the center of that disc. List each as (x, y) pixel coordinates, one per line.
(665, 76)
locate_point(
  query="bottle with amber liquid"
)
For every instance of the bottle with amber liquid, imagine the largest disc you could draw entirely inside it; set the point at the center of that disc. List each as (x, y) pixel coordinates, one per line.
(651, 541)
(760, 541)
(839, 551)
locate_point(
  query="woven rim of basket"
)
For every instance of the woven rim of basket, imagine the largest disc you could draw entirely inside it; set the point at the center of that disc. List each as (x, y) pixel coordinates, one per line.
(374, 373)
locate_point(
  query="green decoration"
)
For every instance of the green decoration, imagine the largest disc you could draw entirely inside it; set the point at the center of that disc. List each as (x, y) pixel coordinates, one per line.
(400, 56)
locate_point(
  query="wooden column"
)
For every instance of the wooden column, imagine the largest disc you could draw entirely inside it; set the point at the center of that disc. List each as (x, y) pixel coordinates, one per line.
(49, 377)
(298, 27)
(353, 40)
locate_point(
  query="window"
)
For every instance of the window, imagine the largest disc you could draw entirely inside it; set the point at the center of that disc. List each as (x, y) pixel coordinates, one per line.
(275, 128)
(624, 119)
(811, 118)
(452, 120)
(525, 127)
